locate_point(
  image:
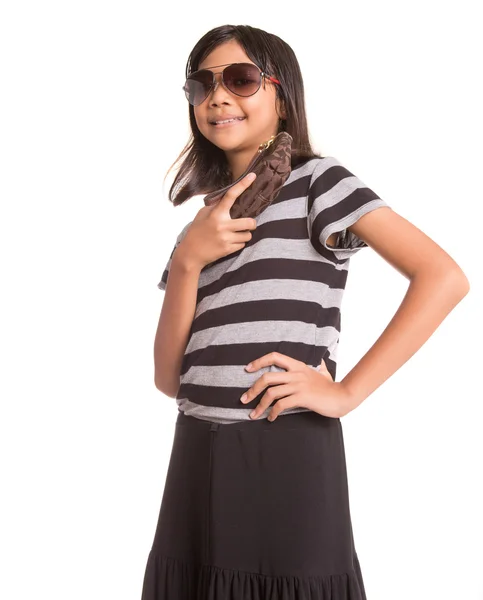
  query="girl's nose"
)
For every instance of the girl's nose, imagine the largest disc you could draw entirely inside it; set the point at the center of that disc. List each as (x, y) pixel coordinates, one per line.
(218, 83)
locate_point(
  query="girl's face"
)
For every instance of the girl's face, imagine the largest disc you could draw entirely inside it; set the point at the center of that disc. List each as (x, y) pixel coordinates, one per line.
(260, 110)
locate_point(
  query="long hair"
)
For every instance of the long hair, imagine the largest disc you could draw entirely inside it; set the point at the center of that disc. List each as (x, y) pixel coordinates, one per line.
(205, 167)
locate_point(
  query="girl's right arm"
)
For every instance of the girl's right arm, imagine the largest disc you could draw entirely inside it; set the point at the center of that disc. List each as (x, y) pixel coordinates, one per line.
(213, 234)
(177, 314)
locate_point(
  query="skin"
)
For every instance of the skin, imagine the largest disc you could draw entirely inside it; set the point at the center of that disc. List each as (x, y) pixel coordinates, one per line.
(262, 111)
(437, 285)
(436, 282)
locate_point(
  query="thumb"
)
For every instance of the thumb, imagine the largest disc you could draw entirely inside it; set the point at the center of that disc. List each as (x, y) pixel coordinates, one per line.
(323, 370)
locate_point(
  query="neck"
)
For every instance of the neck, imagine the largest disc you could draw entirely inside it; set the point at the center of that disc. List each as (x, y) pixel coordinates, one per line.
(239, 160)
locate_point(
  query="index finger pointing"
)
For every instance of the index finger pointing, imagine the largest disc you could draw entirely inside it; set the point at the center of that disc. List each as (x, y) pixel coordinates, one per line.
(236, 190)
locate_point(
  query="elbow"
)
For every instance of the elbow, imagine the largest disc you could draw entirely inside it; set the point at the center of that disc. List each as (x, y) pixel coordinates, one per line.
(459, 283)
(158, 385)
(465, 284)
(165, 390)
(448, 282)
(455, 284)
(168, 390)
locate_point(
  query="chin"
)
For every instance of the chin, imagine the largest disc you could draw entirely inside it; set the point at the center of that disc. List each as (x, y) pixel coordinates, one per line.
(228, 143)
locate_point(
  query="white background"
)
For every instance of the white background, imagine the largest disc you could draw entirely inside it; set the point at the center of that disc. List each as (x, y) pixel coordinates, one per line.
(92, 116)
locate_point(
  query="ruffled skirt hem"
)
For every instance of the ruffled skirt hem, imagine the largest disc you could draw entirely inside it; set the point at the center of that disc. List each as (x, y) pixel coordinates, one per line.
(168, 578)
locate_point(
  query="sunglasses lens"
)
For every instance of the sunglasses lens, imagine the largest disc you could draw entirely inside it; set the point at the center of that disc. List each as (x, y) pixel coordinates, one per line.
(197, 86)
(242, 79)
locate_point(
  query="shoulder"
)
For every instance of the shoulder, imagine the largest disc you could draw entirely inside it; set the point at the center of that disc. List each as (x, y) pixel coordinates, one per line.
(329, 167)
(330, 177)
(309, 170)
(183, 232)
(312, 165)
(324, 172)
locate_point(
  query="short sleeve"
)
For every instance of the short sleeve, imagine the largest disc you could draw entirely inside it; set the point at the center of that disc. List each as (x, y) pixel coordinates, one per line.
(164, 278)
(336, 200)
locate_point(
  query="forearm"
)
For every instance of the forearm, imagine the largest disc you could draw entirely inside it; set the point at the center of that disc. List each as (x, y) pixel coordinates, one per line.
(429, 299)
(177, 314)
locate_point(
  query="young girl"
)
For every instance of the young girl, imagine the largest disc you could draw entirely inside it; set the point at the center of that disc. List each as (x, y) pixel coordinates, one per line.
(256, 503)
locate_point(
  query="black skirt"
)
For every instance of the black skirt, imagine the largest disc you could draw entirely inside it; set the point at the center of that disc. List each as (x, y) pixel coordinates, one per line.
(255, 510)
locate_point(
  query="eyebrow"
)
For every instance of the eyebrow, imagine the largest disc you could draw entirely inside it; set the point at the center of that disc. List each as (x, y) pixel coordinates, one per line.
(225, 65)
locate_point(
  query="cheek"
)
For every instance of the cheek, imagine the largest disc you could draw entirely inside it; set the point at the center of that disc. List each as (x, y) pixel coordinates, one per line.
(259, 110)
(202, 124)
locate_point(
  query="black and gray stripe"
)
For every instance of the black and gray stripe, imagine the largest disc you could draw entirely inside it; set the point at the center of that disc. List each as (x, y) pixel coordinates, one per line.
(281, 292)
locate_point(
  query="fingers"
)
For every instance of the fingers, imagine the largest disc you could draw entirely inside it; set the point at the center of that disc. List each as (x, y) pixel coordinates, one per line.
(232, 194)
(243, 224)
(281, 405)
(282, 394)
(274, 358)
(267, 379)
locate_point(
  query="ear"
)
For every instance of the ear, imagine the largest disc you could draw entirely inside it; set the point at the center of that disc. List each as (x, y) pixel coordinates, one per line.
(281, 109)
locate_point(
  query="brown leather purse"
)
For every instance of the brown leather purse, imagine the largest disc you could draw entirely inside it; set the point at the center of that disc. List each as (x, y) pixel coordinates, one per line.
(272, 165)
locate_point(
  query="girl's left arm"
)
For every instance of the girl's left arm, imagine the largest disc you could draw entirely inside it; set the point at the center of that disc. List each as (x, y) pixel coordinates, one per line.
(437, 285)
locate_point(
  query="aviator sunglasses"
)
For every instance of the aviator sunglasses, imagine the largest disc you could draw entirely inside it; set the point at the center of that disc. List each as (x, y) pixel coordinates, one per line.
(242, 79)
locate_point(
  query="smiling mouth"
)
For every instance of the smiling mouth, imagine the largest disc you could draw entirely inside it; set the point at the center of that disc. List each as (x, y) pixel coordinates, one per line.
(228, 122)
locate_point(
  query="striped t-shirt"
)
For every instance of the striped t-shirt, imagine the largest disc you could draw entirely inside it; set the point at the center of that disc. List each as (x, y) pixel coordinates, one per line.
(281, 292)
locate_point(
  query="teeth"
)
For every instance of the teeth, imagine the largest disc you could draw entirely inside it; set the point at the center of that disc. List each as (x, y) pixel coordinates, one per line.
(230, 120)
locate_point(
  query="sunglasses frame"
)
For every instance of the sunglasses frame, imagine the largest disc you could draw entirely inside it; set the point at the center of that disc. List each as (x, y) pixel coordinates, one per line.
(215, 83)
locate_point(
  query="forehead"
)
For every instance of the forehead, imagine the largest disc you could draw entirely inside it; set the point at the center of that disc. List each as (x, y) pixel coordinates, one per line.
(224, 54)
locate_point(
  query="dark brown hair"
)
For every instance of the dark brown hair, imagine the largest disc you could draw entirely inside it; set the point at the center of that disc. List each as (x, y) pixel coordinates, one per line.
(205, 167)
